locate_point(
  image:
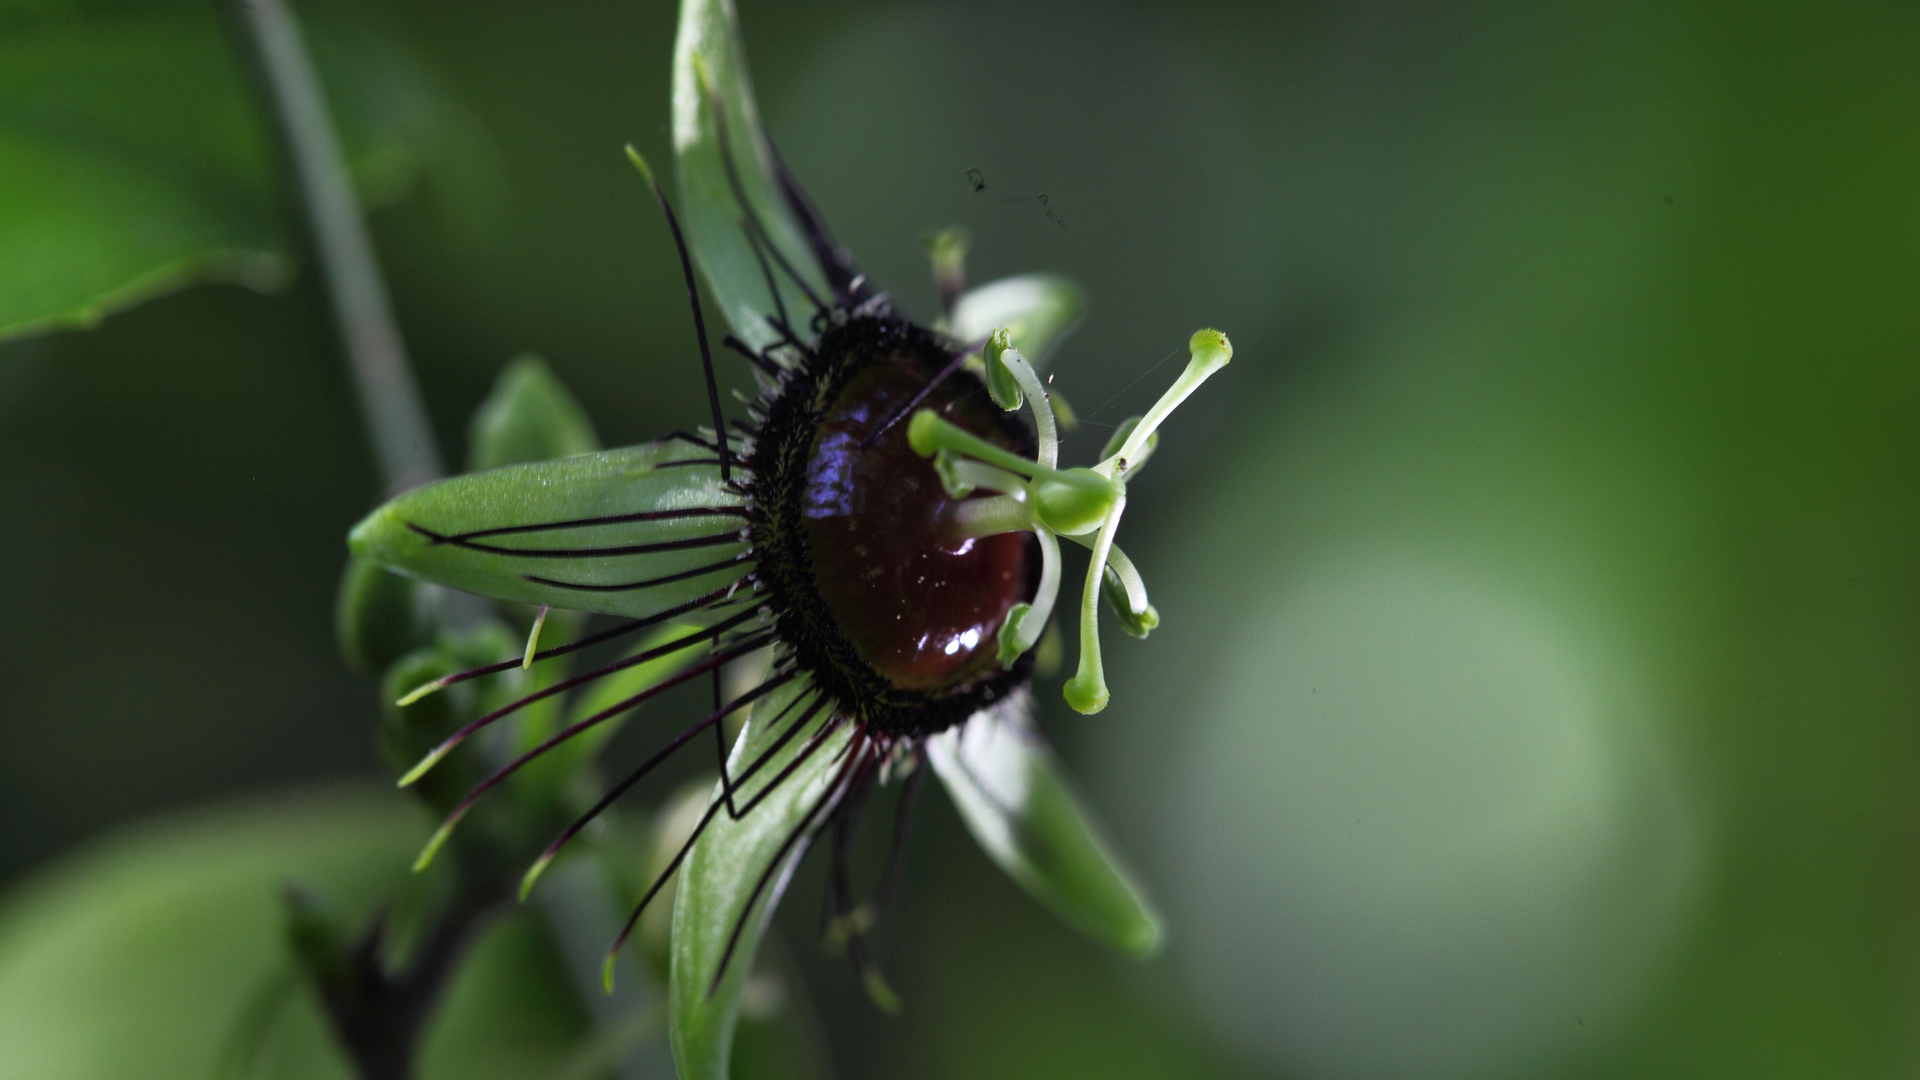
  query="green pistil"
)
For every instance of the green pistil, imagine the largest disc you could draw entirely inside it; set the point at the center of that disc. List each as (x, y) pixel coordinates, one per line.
(1084, 505)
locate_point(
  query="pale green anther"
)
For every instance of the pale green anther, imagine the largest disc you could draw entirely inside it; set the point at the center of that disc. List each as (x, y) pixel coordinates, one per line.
(1024, 624)
(1001, 384)
(1135, 623)
(1119, 440)
(1074, 501)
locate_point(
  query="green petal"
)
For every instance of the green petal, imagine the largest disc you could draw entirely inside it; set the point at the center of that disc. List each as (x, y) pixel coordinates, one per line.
(1018, 804)
(720, 874)
(1040, 310)
(709, 38)
(612, 484)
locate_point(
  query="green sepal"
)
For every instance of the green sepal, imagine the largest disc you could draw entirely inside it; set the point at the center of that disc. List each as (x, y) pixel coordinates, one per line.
(722, 870)
(529, 416)
(1039, 310)
(405, 533)
(1011, 793)
(1136, 623)
(379, 616)
(1001, 385)
(709, 64)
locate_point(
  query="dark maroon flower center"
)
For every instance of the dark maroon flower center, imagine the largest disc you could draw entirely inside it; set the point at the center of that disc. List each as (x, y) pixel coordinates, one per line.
(921, 606)
(887, 611)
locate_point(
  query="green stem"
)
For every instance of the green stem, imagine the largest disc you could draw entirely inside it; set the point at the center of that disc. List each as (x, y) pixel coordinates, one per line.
(1087, 690)
(377, 358)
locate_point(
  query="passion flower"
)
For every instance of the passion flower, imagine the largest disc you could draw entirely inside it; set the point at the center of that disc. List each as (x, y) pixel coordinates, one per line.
(883, 523)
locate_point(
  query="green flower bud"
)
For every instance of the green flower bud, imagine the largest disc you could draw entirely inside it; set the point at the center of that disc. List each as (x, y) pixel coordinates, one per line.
(379, 616)
(529, 416)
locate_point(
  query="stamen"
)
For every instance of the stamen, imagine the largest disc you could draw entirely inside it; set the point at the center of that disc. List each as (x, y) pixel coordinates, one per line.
(1210, 351)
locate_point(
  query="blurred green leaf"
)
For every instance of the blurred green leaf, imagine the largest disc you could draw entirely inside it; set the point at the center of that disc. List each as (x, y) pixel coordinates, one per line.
(145, 954)
(1039, 309)
(709, 38)
(530, 416)
(436, 532)
(134, 160)
(1018, 804)
(732, 861)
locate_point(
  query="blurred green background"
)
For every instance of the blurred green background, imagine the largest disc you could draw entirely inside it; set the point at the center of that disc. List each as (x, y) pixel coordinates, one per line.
(1538, 692)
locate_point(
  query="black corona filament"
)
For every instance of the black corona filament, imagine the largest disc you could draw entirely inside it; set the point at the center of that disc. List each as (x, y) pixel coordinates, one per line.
(699, 319)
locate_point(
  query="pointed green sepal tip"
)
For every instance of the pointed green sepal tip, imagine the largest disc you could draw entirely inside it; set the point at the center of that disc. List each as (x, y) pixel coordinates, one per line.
(1001, 384)
(1086, 695)
(1144, 937)
(419, 692)
(881, 994)
(426, 763)
(437, 841)
(1075, 501)
(646, 171)
(1210, 350)
(1009, 637)
(606, 972)
(533, 874)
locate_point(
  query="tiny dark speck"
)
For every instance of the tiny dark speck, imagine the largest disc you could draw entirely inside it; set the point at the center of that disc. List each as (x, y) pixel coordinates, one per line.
(1668, 199)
